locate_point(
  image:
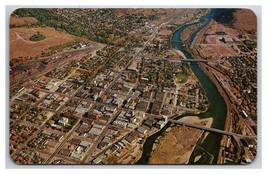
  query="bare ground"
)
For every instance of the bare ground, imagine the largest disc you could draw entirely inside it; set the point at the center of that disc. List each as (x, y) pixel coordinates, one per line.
(14, 21)
(21, 46)
(176, 146)
(245, 20)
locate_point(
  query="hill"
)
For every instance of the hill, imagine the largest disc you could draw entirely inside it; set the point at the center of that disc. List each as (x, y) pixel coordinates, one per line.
(243, 20)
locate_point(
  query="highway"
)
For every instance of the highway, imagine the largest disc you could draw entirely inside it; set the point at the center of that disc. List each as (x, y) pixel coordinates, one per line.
(211, 129)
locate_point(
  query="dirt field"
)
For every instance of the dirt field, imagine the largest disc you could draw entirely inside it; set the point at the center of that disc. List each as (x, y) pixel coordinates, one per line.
(215, 26)
(178, 144)
(165, 32)
(212, 47)
(21, 46)
(22, 21)
(216, 50)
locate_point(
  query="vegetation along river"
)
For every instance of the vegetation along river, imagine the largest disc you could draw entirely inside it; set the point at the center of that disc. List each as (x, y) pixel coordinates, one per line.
(209, 148)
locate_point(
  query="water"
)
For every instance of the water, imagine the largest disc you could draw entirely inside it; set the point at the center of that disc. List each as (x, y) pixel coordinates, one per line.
(217, 109)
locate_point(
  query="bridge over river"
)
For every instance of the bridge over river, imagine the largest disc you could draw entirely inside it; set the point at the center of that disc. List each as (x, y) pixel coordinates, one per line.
(211, 129)
(182, 60)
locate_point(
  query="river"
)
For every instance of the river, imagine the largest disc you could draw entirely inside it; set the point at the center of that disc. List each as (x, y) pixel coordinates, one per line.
(209, 148)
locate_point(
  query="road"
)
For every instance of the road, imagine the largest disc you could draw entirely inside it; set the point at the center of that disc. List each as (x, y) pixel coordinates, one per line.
(88, 156)
(62, 143)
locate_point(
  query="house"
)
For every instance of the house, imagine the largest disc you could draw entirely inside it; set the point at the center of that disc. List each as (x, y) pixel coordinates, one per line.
(139, 113)
(130, 139)
(161, 123)
(102, 145)
(122, 118)
(61, 89)
(131, 125)
(118, 102)
(110, 109)
(113, 148)
(148, 123)
(98, 160)
(159, 96)
(121, 124)
(83, 129)
(77, 155)
(104, 119)
(95, 96)
(74, 141)
(95, 131)
(87, 121)
(85, 144)
(156, 107)
(142, 130)
(63, 121)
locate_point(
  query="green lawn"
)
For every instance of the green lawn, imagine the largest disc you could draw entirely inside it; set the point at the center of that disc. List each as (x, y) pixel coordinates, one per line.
(182, 78)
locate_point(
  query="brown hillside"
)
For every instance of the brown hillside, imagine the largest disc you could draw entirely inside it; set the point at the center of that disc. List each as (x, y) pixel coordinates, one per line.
(245, 20)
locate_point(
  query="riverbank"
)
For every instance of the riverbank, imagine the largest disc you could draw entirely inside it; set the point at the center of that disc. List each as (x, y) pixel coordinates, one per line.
(228, 118)
(177, 145)
(208, 71)
(187, 33)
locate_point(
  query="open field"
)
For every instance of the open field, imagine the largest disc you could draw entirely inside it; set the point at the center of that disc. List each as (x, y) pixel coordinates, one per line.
(182, 78)
(215, 50)
(178, 144)
(15, 22)
(21, 46)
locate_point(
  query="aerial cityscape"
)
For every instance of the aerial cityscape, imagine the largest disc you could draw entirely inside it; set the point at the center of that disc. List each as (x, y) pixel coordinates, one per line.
(133, 86)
